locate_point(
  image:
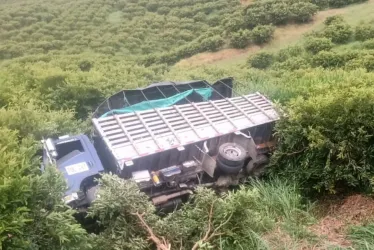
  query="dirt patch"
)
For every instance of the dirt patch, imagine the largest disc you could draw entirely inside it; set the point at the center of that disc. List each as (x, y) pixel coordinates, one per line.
(283, 36)
(290, 33)
(212, 57)
(353, 210)
(246, 2)
(278, 239)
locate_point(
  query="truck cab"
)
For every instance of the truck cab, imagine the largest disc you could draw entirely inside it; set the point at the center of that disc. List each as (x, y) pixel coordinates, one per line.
(77, 159)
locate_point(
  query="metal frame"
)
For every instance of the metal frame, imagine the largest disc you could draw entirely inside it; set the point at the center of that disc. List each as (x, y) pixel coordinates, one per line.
(134, 135)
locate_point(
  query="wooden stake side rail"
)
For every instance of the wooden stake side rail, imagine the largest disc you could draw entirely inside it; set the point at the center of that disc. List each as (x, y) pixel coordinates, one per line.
(134, 135)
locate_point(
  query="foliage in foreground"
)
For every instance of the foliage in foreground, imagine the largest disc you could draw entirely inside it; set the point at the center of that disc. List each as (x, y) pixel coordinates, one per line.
(326, 142)
(231, 221)
(32, 214)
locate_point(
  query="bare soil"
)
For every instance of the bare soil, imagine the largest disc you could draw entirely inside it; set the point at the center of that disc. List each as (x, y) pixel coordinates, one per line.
(246, 2)
(333, 226)
(283, 36)
(335, 216)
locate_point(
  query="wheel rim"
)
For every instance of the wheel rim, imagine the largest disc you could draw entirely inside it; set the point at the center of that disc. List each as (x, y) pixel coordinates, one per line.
(232, 151)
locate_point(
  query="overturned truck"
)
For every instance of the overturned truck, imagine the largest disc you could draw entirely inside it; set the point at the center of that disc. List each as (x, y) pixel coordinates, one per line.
(170, 138)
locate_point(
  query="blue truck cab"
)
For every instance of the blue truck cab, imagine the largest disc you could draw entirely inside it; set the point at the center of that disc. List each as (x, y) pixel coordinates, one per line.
(76, 158)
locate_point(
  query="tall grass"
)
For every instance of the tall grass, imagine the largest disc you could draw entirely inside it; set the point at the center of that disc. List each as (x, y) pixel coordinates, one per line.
(280, 199)
(362, 237)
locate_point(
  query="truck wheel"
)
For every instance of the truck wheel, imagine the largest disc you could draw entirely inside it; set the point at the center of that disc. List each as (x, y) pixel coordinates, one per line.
(227, 169)
(231, 154)
(257, 167)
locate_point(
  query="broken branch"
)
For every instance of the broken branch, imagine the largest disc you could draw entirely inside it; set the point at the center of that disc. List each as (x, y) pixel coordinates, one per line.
(161, 244)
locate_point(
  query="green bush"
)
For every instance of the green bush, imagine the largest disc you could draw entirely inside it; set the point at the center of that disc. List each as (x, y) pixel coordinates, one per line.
(234, 23)
(237, 216)
(337, 19)
(303, 11)
(240, 39)
(368, 61)
(262, 34)
(342, 3)
(278, 12)
(289, 52)
(315, 45)
(291, 64)
(212, 43)
(338, 3)
(338, 32)
(354, 64)
(369, 44)
(332, 59)
(261, 60)
(326, 142)
(364, 32)
(322, 4)
(33, 215)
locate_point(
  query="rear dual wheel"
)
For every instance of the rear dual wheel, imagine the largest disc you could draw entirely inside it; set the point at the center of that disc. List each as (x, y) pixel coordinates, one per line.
(230, 158)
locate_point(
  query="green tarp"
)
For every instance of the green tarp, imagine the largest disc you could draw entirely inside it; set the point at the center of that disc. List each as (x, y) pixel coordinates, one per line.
(161, 103)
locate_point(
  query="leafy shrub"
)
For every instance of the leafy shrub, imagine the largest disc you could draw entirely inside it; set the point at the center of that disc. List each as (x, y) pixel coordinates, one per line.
(289, 52)
(342, 3)
(303, 11)
(338, 3)
(326, 141)
(9, 52)
(369, 44)
(337, 19)
(291, 64)
(262, 34)
(240, 39)
(212, 43)
(368, 61)
(315, 45)
(261, 60)
(31, 119)
(338, 32)
(354, 64)
(250, 210)
(234, 23)
(332, 59)
(278, 12)
(33, 215)
(364, 32)
(163, 10)
(322, 4)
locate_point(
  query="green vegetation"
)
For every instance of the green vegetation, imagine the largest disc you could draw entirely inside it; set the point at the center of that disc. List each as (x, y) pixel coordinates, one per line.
(60, 59)
(362, 236)
(244, 214)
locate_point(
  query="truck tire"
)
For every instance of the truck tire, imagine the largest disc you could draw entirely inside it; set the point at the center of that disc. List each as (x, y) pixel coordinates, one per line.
(257, 167)
(231, 154)
(229, 169)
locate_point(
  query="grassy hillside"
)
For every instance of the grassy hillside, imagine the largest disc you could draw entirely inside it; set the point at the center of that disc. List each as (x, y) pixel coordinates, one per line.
(283, 36)
(126, 28)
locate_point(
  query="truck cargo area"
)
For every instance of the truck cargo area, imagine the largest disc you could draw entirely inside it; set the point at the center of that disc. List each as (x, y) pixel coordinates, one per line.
(172, 137)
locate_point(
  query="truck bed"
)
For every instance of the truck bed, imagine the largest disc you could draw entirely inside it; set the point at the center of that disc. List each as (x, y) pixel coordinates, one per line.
(138, 134)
